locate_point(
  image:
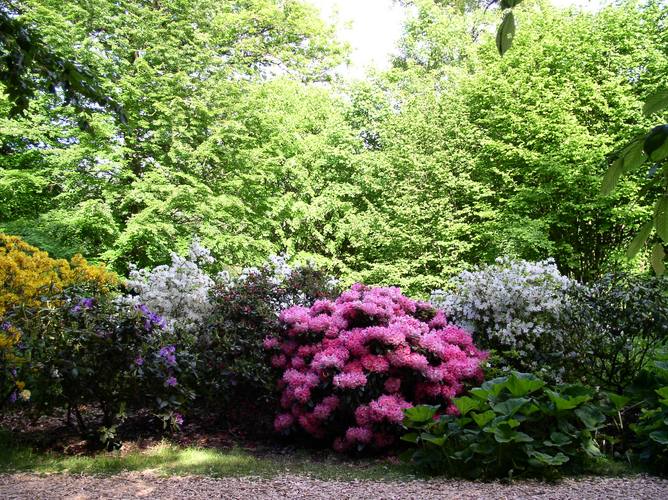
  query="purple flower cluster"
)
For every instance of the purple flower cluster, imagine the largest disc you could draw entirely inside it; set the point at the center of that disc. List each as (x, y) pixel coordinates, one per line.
(168, 354)
(83, 305)
(151, 320)
(376, 347)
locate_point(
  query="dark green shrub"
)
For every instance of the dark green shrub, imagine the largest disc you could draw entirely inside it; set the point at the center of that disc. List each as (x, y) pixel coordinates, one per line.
(245, 312)
(91, 351)
(652, 433)
(613, 327)
(651, 427)
(512, 425)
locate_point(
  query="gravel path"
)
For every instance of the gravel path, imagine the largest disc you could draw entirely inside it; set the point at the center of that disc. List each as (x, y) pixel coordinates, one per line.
(147, 485)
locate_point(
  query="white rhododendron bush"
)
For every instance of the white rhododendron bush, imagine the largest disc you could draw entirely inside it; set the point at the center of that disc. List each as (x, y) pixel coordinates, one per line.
(513, 307)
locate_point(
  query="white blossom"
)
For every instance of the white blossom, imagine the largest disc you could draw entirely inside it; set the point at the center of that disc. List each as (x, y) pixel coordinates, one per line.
(179, 291)
(512, 305)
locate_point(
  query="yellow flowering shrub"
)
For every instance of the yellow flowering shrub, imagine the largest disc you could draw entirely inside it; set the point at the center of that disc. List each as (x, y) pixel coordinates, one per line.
(27, 274)
(10, 361)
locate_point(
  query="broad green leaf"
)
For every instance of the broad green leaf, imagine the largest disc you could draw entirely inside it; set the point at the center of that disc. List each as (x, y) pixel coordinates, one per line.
(480, 393)
(559, 439)
(630, 157)
(482, 419)
(420, 414)
(573, 390)
(505, 435)
(529, 409)
(521, 384)
(496, 385)
(657, 259)
(618, 400)
(591, 448)
(639, 240)
(510, 406)
(465, 404)
(612, 176)
(590, 416)
(430, 438)
(545, 459)
(661, 217)
(483, 448)
(656, 102)
(663, 392)
(656, 143)
(509, 4)
(660, 437)
(411, 437)
(505, 33)
(562, 403)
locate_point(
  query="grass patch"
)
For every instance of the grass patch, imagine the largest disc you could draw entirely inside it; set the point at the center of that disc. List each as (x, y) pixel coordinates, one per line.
(170, 460)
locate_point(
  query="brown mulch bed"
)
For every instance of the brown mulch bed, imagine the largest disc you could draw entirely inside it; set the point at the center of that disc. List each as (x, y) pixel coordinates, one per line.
(147, 485)
(53, 433)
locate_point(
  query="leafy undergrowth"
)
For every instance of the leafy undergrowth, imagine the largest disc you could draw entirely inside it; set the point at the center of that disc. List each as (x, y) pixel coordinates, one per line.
(169, 459)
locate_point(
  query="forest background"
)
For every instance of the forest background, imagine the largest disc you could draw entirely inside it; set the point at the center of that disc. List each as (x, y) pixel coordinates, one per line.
(237, 128)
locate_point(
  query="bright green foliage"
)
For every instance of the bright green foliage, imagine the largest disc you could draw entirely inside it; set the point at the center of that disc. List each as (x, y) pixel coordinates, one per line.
(238, 133)
(509, 426)
(469, 156)
(209, 143)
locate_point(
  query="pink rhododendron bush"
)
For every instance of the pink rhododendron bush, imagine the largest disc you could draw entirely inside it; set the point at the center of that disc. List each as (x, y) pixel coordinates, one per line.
(350, 367)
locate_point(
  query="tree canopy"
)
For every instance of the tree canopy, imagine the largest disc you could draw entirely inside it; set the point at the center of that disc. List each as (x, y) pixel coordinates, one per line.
(237, 128)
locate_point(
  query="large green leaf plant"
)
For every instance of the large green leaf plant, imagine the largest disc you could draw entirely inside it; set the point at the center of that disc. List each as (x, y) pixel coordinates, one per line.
(512, 425)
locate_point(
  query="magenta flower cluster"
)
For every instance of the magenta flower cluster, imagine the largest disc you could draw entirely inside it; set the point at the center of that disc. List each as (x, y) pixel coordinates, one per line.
(351, 367)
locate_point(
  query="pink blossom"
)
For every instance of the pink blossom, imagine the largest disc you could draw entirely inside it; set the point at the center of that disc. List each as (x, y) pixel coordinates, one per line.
(306, 350)
(435, 373)
(438, 321)
(428, 390)
(452, 410)
(289, 347)
(330, 358)
(283, 421)
(456, 335)
(353, 366)
(319, 323)
(278, 360)
(302, 394)
(359, 434)
(390, 408)
(332, 402)
(392, 384)
(363, 415)
(368, 332)
(323, 410)
(374, 363)
(433, 342)
(322, 307)
(385, 335)
(355, 341)
(297, 362)
(270, 343)
(349, 380)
